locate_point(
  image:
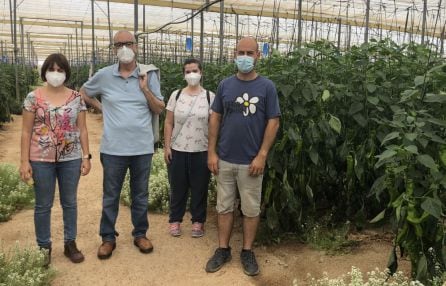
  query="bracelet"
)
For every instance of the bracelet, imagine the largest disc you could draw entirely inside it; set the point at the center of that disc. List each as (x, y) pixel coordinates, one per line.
(88, 156)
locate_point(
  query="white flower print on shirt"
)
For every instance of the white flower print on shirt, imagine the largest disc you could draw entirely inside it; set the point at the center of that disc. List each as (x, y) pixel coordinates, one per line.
(248, 103)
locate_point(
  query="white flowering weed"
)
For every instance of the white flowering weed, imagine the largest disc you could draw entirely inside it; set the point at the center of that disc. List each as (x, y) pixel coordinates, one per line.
(159, 186)
(14, 194)
(23, 267)
(356, 278)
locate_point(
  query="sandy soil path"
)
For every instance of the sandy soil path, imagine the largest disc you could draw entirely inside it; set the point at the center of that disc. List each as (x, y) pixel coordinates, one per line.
(175, 261)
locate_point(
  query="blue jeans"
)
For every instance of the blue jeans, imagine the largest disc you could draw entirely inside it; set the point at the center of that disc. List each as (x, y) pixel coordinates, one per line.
(188, 170)
(45, 174)
(115, 169)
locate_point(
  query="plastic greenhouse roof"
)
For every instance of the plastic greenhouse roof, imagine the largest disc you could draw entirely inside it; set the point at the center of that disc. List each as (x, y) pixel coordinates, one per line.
(51, 25)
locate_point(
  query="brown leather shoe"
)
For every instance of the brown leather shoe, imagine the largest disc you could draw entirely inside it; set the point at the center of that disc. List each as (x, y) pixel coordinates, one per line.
(71, 251)
(106, 249)
(144, 245)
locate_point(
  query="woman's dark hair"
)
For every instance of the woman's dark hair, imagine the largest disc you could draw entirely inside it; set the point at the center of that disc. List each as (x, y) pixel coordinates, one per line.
(59, 60)
(192, 61)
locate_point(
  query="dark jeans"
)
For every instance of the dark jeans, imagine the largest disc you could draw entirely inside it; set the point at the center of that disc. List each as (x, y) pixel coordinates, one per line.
(115, 169)
(45, 175)
(188, 171)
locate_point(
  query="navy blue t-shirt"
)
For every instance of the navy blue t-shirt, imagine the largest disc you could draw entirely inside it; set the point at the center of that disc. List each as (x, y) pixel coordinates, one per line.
(246, 107)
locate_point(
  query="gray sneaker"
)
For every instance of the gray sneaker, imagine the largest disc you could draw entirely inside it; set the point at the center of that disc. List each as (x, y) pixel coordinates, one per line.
(220, 257)
(249, 262)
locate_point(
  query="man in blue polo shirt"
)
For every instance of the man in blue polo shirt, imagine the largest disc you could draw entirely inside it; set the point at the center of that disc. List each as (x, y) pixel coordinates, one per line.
(128, 102)
(245, 119)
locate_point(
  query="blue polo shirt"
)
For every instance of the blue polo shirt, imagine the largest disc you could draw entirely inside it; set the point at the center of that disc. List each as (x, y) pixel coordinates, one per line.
(127, 117)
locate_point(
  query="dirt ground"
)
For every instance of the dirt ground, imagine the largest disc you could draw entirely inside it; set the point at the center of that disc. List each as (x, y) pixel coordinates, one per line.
(175, 261)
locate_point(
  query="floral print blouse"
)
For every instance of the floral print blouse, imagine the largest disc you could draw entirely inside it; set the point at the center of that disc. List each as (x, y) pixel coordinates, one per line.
(55, 135)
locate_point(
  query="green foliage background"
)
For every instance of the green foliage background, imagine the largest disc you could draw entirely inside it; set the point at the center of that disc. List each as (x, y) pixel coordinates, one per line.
(10, 102)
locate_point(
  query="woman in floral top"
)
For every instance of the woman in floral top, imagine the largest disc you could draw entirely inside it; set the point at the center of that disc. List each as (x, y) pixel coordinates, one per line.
(185, 149)
(54, 146)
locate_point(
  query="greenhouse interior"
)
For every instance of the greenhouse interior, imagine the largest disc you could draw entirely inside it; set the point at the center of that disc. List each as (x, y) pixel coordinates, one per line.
(361, 146)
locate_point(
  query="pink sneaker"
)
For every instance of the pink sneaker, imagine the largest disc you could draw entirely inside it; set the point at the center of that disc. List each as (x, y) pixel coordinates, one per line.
(174, 229)
(197, 229)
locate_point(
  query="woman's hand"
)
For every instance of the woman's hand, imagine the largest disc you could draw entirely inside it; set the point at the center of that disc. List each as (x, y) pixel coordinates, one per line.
(85, 167)
(167, 155)
(26, 172)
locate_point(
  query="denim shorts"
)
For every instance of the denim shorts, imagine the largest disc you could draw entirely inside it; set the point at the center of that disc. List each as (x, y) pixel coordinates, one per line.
(235, 176)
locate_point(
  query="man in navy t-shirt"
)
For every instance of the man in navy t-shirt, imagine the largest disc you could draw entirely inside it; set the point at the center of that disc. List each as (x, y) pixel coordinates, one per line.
(244, 123)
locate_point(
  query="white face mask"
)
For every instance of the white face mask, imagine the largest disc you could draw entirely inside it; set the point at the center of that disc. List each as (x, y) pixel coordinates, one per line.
(193, 78)
(125, 55)
(55, 78)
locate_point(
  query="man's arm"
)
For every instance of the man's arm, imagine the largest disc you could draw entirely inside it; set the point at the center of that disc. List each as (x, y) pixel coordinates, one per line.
(257, 165)
(214, 127)
(92, 101)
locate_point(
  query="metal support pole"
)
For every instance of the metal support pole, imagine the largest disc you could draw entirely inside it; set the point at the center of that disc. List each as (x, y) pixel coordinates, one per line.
(236, 29)
(144, 29)
(222, 8)
(92, 37)
(405, 25)
(423, 27)
(16, 71)
(367, 21)
(22, 42)
(339, 32)
(277, 33)
(442, 41)
(201, 36)
(77, 49)
(110, 36)
(192, 35)
(299, 33)
(135, 9)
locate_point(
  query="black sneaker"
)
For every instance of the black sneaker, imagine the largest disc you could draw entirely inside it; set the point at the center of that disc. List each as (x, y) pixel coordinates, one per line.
(220, 257)
(250, 266)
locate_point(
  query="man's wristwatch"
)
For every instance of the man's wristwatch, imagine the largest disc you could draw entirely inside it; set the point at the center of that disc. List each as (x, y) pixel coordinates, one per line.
(88, 156)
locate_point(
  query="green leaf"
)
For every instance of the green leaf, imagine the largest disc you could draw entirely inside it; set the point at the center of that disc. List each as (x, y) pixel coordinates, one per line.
(386, 154)
(272, 219)
(407, 95)
(422, 268)
(383, 157)
(390, 136)
(378, 186)
(439, 122)
(427, 161)
(314, 156)
(355, 108)
(360, 119)
(335, 124)
(435, 98)
(411, 136)
(432, 206)
(419, 80)
(325, 95)
(392, 264)
(371, 87)
(379, 217)
(412, 149)
(373, 100)
(443, 254)
(309, 192)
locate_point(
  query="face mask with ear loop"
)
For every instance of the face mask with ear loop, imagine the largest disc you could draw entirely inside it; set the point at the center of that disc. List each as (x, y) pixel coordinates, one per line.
(125, 55)
(54, 78)
(245, 64)
(193, 78)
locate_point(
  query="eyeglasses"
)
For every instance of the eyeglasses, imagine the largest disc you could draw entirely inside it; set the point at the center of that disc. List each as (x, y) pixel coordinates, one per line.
(121, 44)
